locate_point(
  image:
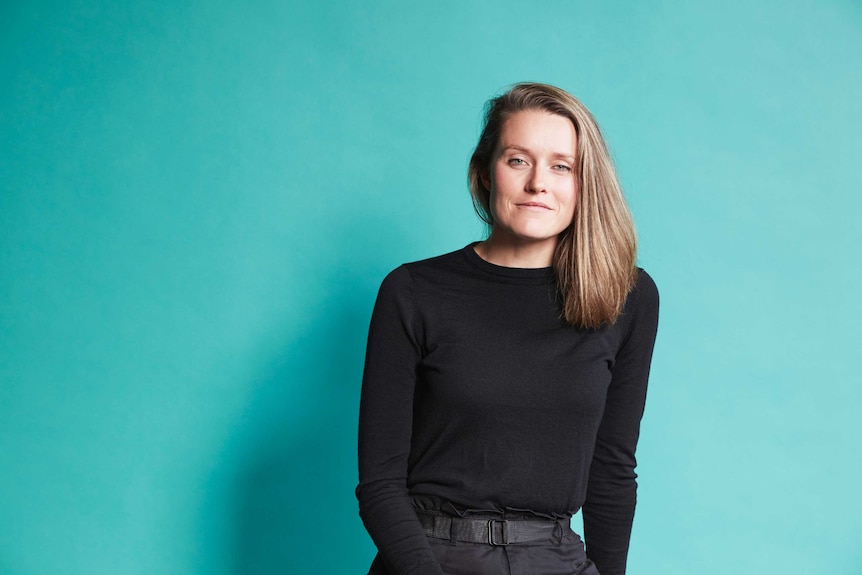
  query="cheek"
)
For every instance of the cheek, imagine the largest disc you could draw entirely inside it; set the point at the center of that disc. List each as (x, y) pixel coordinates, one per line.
(493, 202)
(572, 201)
(497, 195)
(571, 208)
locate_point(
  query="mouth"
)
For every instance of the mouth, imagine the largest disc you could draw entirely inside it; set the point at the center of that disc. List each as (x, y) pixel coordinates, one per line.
(534, 205)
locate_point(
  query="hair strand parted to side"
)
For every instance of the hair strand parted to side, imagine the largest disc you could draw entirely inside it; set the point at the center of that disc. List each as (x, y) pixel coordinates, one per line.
(595, 257)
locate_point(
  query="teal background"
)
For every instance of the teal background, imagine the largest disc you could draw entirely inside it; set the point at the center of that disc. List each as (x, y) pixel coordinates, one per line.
(198, 201)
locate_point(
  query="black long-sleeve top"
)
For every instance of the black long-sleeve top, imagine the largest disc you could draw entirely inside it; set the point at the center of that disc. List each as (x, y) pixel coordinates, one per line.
(476, 392)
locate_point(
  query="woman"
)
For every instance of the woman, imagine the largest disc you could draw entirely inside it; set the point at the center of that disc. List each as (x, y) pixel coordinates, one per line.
(505, 382)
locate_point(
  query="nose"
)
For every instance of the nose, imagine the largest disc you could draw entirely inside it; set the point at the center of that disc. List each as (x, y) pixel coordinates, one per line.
(536, 182)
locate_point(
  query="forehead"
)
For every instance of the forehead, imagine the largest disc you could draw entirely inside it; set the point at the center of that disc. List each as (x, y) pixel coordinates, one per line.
(539, 131)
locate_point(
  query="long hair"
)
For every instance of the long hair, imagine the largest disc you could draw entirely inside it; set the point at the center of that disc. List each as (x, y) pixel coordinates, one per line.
(595, 257)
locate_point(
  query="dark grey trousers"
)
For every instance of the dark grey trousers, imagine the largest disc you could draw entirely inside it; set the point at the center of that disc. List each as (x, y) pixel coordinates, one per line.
(566, 558)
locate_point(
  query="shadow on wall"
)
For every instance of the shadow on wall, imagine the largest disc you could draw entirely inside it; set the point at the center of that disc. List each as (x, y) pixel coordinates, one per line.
(295, 511)
(281, 500)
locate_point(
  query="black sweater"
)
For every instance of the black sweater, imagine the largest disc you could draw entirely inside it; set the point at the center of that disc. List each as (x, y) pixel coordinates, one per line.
(477, 393)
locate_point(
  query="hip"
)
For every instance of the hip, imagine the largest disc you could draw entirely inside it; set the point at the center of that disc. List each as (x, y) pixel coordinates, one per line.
(487, 545)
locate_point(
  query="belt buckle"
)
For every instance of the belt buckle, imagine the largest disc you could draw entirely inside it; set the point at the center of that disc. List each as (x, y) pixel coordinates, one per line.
(504, 531)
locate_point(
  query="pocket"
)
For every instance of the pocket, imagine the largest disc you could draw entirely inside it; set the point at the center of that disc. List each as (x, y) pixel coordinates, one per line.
(378, 567)
(440, 549)
(470, 558)
(588, 568)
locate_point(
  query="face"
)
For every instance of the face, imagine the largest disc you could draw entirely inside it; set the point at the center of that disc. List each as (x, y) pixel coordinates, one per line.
(532, 178)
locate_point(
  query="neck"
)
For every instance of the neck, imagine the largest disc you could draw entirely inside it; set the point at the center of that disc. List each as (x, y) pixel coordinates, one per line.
(510, 253)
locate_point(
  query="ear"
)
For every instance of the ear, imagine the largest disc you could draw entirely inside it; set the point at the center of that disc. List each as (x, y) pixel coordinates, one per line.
(485, 178)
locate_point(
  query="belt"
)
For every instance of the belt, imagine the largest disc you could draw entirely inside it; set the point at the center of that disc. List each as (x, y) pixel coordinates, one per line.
(492, 531)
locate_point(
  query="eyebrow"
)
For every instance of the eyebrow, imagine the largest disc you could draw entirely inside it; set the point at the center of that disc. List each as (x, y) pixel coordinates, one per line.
(569, 157)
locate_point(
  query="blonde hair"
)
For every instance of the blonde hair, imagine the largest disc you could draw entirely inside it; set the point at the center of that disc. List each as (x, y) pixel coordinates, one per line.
(595, 258)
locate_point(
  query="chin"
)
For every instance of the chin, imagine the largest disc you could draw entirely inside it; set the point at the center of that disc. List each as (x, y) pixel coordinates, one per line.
(538, 235)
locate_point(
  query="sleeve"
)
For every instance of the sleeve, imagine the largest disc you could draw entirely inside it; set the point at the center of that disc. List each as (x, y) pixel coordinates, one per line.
(385, 430)
(612, 489)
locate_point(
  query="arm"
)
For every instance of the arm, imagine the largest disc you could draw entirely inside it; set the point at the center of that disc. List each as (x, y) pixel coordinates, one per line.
(385, 429)
(611, 493)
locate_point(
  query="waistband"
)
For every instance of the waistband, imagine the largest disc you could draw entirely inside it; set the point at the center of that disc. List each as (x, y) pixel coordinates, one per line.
(492, 530)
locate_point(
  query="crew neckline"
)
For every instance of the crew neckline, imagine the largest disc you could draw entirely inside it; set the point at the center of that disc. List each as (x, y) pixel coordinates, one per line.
(534, 275)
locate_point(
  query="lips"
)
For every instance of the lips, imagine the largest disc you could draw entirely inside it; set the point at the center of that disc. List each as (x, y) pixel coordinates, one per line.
(534, 205)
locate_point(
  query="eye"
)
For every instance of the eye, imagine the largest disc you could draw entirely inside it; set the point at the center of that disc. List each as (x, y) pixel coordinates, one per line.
(516, 162)
(563, 168)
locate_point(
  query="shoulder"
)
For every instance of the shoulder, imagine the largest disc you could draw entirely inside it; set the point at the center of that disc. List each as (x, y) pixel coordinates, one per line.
(407, 276)
(429, 271)
(640, 315)
(447, 261)
(645, 291)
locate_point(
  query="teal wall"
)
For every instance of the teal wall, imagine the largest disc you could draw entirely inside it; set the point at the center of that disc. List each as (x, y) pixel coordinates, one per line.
(198, 201)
